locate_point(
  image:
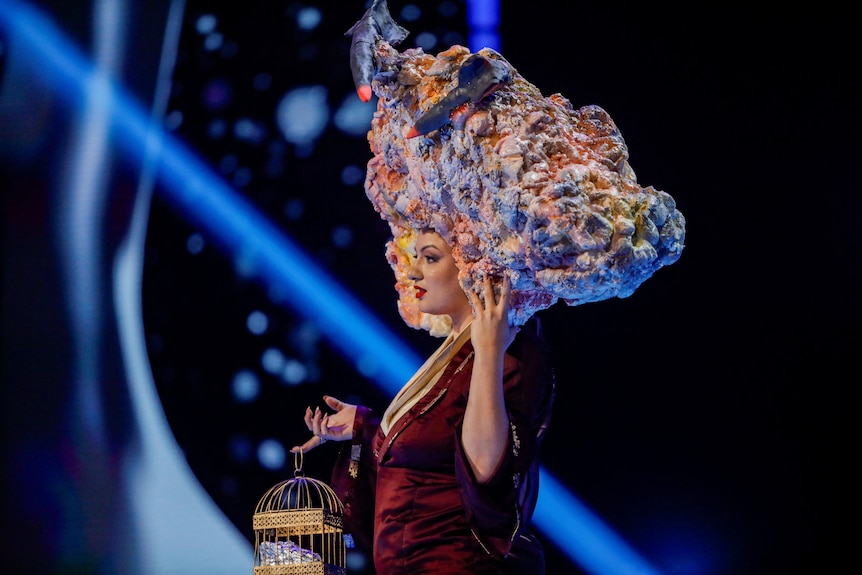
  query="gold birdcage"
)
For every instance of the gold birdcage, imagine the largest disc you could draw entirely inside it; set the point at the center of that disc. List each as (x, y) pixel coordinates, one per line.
(298, 528)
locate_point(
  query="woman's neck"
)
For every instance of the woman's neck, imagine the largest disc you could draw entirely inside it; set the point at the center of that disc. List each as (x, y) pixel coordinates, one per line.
(460, 325)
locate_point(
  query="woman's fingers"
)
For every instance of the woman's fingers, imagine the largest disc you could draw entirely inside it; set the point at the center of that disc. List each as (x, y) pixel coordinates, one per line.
(490, 296)
(318, 415)
(491, 300)
(324, 425)
(337, 426)
(505, 292)
(308, 418)
(333, 403)
(316, 421)
(308, 445)
(318, 424)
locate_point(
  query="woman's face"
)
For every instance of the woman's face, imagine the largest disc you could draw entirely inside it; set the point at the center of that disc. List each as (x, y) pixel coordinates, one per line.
(435, 279)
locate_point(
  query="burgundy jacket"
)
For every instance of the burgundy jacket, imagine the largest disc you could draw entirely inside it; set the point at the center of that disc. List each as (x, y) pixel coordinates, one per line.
(411, 498)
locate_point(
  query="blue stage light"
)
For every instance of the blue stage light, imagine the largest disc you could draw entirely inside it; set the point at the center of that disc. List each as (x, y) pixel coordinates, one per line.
(582, 535)
(483, 20)
(260, 250)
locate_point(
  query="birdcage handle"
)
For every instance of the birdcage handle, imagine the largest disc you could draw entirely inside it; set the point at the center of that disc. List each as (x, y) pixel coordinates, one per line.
(297, 463)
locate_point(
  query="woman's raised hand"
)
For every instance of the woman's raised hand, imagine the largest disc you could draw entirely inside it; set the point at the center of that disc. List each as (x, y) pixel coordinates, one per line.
(491, 329)
(325, 427)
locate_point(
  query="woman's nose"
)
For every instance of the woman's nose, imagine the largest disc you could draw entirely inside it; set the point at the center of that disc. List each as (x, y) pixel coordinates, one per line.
(413, 273)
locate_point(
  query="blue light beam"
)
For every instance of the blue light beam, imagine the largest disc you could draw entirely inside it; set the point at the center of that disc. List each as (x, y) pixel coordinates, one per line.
(263, 250)
(582, 535)
(483, 20)
(258, 247)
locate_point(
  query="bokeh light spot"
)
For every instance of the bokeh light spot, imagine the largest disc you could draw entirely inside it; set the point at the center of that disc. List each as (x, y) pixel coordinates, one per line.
(249, 131)
(271, 454)
(342, 236)
(308, 18)
(303, 114)
(195, 244)
(352, 175)
(294, 208)
(353, 116)
(217, 94)
(426, 41)
(245, 386)
(272, 360)
(294, 372)
(206, 24)
(410, 13)
(257, 322)
(213, 41)
(240, 448)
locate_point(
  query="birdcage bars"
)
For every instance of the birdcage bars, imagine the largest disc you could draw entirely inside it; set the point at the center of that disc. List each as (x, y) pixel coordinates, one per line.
(298, 525)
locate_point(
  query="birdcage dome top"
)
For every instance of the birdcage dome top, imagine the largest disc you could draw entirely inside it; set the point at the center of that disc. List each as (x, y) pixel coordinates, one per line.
(300, 492)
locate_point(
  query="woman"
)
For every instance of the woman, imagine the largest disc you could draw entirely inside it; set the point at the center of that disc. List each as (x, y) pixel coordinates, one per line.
(446, 480)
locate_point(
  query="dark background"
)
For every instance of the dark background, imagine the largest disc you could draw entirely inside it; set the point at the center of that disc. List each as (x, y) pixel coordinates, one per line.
(706, 418)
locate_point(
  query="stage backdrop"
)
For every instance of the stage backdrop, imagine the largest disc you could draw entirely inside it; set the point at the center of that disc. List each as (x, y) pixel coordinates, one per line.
(173, 174)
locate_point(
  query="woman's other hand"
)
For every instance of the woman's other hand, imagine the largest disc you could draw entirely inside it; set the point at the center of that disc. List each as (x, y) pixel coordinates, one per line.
(325, 427)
